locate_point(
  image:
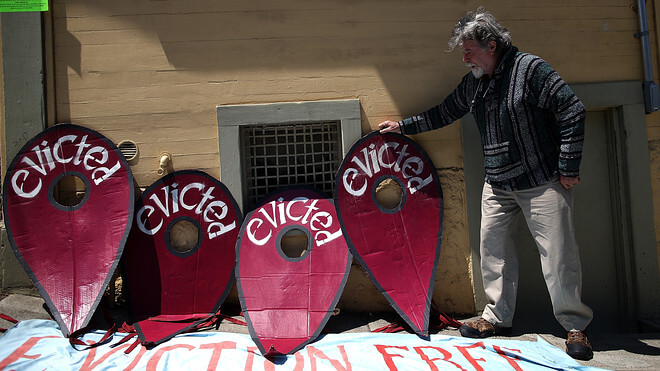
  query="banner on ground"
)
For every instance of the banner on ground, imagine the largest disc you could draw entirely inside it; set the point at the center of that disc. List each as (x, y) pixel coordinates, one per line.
(39, 345)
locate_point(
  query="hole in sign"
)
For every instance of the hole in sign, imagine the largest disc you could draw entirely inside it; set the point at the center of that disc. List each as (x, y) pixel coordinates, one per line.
(69, 191)
(294, 243)
(184, 236)
(389, 194)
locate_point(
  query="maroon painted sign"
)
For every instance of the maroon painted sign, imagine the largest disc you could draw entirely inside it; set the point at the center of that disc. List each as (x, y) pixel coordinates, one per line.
(179, 260)
(69, 249)
(287, 299)
(397, 244)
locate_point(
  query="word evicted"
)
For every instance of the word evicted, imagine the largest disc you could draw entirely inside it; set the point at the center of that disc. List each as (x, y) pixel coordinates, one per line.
(476, 356)
(374, 161)
(281, 214)
(199, 199)
(47, 158)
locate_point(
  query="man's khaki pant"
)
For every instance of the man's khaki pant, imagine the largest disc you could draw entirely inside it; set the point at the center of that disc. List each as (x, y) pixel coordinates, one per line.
(547, 209)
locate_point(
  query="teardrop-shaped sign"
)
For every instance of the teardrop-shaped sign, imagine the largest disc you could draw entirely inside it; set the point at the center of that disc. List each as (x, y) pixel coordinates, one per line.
(179, 259)
(389, 203)
(293, 263)
(68, 205)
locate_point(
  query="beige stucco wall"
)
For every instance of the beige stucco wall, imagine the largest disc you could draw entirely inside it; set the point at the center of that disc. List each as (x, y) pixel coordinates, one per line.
(154, 72)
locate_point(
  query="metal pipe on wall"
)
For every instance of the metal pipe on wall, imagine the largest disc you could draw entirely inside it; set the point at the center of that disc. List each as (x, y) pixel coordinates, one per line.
(651, 89)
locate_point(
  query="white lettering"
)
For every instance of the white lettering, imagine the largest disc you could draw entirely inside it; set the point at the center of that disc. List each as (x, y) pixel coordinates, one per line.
(416, 183)
(222, 229)
(206, 196)
(195, 185)
(363, 165)
(107, 173)
(209, 209)
(47, 158)
(316, 219)
(164, 208)
(288, 208)
(413, 164)
(251, 232)
(328, 237)
(82, 145)
(58, 144)
(89, 156)
(352, 173)
(141, 223)
(381, 160)
(42, 168)
(19, 188)
(370, 162)
(212, 212)
(270, 218)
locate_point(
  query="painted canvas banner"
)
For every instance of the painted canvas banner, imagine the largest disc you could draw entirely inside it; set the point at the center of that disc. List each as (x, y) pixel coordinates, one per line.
(396, 239)
(39, 345)
(69, 243)
(179, 259)
(293, 263)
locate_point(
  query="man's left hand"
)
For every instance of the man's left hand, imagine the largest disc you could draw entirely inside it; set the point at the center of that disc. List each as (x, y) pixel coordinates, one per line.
(569, 182)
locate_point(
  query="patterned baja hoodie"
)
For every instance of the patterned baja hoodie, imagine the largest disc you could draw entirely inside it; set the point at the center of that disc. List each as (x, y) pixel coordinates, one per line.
(531, 123)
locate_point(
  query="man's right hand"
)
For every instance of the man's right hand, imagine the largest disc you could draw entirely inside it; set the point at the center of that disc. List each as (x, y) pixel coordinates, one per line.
(389, 126)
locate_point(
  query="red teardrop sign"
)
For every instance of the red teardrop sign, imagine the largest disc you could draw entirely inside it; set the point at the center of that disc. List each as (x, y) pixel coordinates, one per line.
(292, 267)
(396, 239)
(179, 260)
(69, 247)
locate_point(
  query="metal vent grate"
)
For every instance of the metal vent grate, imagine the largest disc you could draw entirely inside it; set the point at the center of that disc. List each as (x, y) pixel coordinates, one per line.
(129, 149)
(289, 154)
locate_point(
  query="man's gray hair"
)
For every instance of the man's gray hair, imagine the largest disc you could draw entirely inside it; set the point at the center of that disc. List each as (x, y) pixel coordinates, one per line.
(482, 27)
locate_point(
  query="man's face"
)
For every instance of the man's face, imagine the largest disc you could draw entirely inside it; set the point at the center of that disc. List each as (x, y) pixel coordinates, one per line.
(482, 61)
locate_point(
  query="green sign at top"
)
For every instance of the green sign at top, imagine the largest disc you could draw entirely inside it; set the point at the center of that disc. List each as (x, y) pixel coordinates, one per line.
(23, 5)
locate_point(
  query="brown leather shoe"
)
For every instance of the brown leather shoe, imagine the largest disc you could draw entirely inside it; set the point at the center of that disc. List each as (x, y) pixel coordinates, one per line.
(578, 347)
(481, 328)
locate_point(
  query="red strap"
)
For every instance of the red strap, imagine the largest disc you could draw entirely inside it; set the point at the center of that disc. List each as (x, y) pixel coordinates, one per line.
(130, 348)
(206, 319)
(124, 339)
(215, 320)
(392, 327)
(447, 321)
(130, 334)
(180, 317)
(233, 320)
(74, 341)
(126, 328)
(211, 321)
(8, 318)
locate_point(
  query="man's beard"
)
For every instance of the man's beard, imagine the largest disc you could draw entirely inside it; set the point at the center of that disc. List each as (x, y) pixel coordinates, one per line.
(477, 71)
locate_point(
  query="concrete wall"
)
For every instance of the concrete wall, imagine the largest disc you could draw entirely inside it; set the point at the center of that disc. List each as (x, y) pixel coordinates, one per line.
(22, 112)
(154, 72)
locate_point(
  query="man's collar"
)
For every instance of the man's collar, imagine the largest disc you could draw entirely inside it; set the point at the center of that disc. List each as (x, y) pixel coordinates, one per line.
(507, 56)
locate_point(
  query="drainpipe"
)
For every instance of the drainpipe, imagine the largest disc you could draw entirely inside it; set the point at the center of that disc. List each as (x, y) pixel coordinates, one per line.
(651, 90)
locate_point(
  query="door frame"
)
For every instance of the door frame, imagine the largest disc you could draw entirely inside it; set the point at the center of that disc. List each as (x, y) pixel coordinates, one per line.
(636, 250)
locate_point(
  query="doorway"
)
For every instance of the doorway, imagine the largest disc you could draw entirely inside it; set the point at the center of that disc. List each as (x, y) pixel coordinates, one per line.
(596, 233)
(613, 218)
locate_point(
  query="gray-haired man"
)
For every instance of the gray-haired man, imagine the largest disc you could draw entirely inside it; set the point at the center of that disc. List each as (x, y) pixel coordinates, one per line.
(532, 130)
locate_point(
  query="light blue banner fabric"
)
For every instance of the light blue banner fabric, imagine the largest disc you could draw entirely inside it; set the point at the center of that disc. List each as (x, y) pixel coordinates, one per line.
(39, 345)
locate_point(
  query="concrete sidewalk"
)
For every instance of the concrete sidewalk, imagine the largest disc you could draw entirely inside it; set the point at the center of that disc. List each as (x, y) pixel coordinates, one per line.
(611, 351)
